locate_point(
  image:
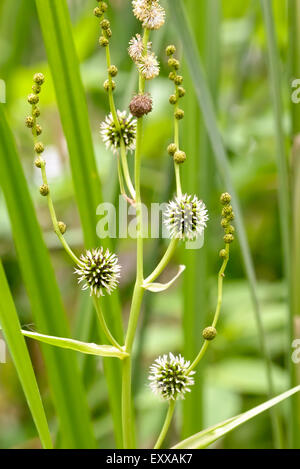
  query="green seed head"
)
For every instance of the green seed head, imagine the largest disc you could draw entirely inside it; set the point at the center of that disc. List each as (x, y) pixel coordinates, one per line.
(178, 80)
(29, 122)
(39, 78)
(228, 238)
(225, 198)
(62, 227)
(172, 99)
(209, 333)
(172, 148)
(170, 50)
(39, 147)
(113, 71)
(44, 190)
(179, 114)
(179, 157)
(33, 99)
(103, 41)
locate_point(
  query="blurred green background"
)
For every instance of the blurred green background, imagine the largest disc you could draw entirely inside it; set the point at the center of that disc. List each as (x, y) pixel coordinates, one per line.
(232, 378)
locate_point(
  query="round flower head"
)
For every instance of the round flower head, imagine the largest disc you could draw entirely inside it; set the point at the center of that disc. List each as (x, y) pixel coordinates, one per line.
(99, 270)
(111, 136)
(136, 48)
(169, 377)
(148, 66)
(186, 217)
(149, 12)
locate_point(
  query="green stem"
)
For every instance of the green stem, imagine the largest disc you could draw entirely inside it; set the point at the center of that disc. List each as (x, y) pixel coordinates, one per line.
(103, 324)
(176, 141)
(166, 425)
(118, 127)
(164, 261)
(221, 276)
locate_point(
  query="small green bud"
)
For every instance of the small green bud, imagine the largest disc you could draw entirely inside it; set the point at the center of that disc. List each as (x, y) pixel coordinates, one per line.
(228, 238)
(230, 216)
(178, 80)
(29, 122)
(38, 162)
(230, 229)
(170, 50)
(181, 92)
(173, 63)
(172, 148)
(179, 114)
(36, 112)
(172, 99)
(106, 85)
(105, 24)
(225, 198)
(172, 76)
(39, 147)
(103, 41)
(36, 89)
(98, 12)
(108, 32)
(223, 253)
(38, 129)
(224, 222)
(227, 210)
(33, 99)
(39, 78)
(113, 71)
(179, 157)
(102, 6)
(209, 333)
(62, 227)
(44, 190)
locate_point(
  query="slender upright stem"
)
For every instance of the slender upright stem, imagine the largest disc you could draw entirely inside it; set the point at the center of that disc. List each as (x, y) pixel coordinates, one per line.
(166, 426)
(128, 423)
(103, 324)
(176, 141)
(164, 261)
(217, 312)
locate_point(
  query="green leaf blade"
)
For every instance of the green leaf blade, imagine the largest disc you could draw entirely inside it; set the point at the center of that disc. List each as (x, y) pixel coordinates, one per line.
(11, 329)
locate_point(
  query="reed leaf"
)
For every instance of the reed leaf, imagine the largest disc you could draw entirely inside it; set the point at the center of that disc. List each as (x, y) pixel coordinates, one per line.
(58, 38)
(10, 326)
(210, 435)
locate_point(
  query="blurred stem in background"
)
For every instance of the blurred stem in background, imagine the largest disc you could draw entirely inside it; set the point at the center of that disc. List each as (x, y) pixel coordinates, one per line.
(294, 329)
(196, 173)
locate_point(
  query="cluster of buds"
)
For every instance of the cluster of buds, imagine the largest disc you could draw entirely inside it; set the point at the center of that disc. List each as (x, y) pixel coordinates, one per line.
(178, 155)
(227, 218)
(31, 123)
(106, 34)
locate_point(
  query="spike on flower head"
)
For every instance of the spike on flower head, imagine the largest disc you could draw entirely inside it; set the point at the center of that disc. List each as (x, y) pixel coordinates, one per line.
(112, 136)
(186, 217)
(169, 377)
(99, 270)
(148, 66)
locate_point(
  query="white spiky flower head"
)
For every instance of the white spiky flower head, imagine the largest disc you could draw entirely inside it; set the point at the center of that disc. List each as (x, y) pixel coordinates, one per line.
(99, 270)
(112, 136)
(150, 13)
(148, 66)
(136, 48)
(169, 377)
(186, 217)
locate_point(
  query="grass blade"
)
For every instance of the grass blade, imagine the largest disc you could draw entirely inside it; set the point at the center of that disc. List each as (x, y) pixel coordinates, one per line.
(77, 345)
(44, 295)
(294, 326)
(57, 33)
(207, 437)
(206, 105)
(196, 175)
(12, 332)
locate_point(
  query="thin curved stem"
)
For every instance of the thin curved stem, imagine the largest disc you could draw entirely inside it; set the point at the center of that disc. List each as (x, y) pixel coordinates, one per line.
(164, 261)
(217, 312)
(103, 324)
(166, 425)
